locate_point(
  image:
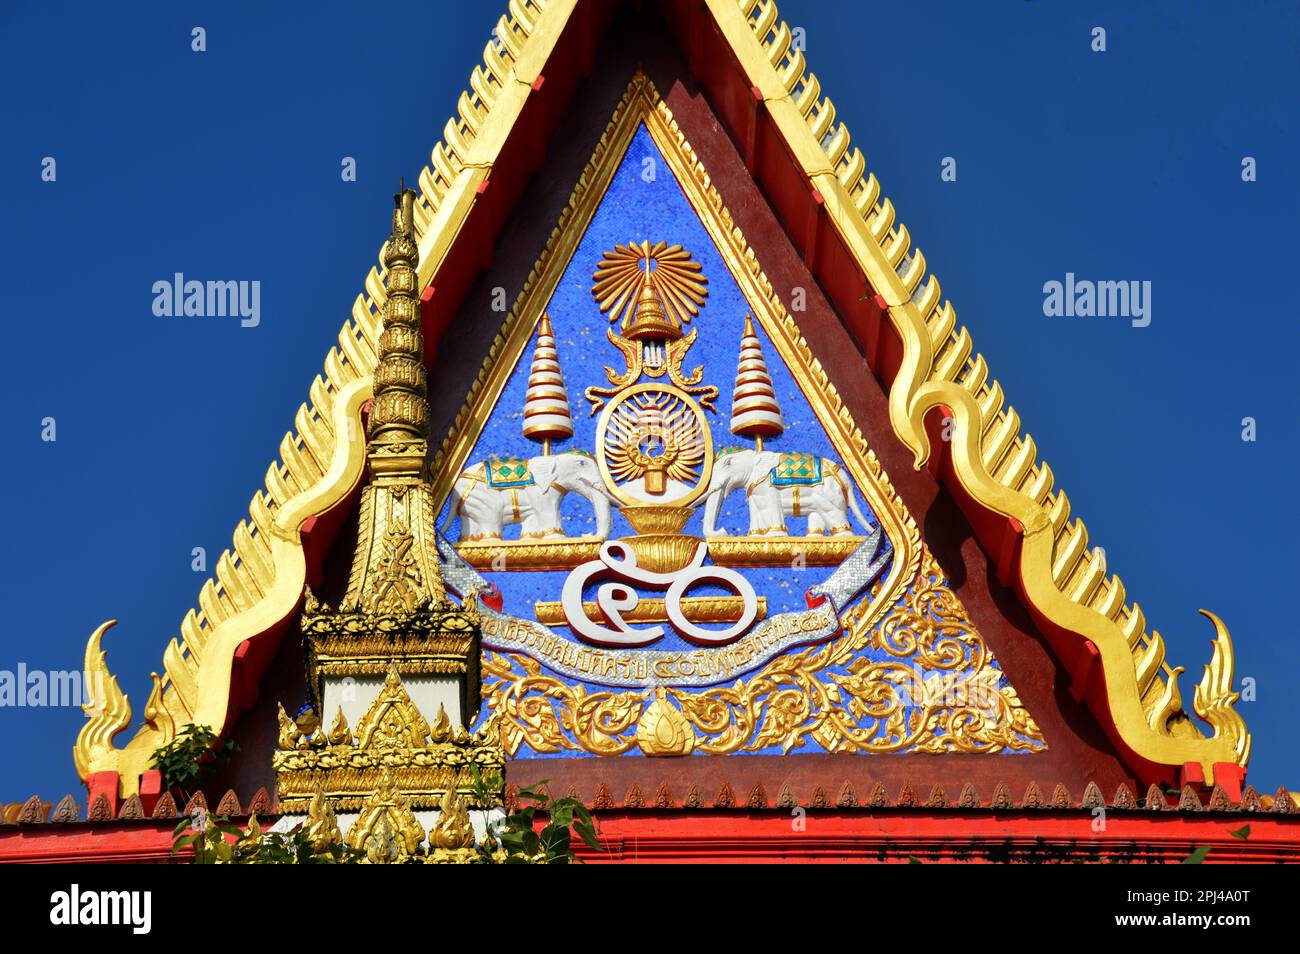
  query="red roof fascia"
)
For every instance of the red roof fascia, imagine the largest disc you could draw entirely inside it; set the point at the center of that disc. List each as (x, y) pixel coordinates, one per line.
(88, 843)
(804, 836)
(827, 836)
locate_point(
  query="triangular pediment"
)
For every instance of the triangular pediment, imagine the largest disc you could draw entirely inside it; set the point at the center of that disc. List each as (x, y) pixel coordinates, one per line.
(782, 492)
(875, 377)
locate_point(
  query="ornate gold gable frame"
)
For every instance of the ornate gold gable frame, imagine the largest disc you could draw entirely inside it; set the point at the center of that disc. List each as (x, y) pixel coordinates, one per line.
(259, 579)
(783, 702)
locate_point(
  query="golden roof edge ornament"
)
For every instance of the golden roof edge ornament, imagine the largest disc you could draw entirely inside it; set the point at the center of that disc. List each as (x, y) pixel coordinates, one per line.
(322, 458)
(1064, 580)
(1215, 697)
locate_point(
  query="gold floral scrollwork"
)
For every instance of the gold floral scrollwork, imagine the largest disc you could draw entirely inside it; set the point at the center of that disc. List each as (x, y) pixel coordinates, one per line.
(921, 679)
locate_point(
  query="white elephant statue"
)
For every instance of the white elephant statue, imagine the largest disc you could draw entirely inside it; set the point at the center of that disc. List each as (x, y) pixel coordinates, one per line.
(493, 493)
(805, 486)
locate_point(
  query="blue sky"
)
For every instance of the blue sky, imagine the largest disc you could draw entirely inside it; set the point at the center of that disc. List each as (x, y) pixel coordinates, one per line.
(1123, 165)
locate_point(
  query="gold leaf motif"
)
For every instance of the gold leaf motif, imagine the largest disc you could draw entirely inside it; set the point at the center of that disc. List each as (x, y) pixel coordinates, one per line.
(662, 730)
(339, 734)
(288, 735)
(322, 824)
(452, 830)
(440, 731)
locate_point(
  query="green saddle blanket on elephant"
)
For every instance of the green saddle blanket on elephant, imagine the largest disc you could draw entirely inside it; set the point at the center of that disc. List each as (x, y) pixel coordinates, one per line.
(507, 471)
(793, 468)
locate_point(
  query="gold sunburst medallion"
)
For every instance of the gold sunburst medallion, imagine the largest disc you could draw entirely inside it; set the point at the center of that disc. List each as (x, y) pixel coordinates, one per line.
(654, 447)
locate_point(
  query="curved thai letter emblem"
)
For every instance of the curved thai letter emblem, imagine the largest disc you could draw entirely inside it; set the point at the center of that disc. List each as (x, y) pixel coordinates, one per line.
(616, 597)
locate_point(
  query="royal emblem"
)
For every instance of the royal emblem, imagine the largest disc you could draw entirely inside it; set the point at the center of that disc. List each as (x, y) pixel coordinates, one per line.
(654, 465)
(655, 445)
(711, 560)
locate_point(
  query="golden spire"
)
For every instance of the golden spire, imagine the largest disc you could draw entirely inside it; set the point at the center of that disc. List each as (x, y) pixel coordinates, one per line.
(399, 416)
(395, 569)
(649, 320)
(395, 617)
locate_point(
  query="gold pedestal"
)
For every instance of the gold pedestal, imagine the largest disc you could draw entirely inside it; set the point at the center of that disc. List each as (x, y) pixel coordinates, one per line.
(659, 545)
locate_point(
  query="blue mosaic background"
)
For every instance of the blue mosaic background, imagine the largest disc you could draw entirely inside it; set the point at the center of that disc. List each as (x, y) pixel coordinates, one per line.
(634, 209)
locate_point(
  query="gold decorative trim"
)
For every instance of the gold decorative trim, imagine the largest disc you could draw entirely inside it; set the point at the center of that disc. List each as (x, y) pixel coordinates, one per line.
(697, 609)
(392, 744)
(1064, 580)
(781, 550)
(763, 709)
(529, 554)
(776, 550)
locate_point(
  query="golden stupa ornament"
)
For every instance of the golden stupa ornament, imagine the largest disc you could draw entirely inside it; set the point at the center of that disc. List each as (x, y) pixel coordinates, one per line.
(653, 443)
(654, 289)
(651, 293)
(395, 611)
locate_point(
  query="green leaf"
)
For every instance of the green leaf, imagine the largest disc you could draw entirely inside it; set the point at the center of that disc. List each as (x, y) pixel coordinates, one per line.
(587, 832)
(1197, 856)
(562, 812)
(555, 844)
(181, 761)
(1243, 832)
